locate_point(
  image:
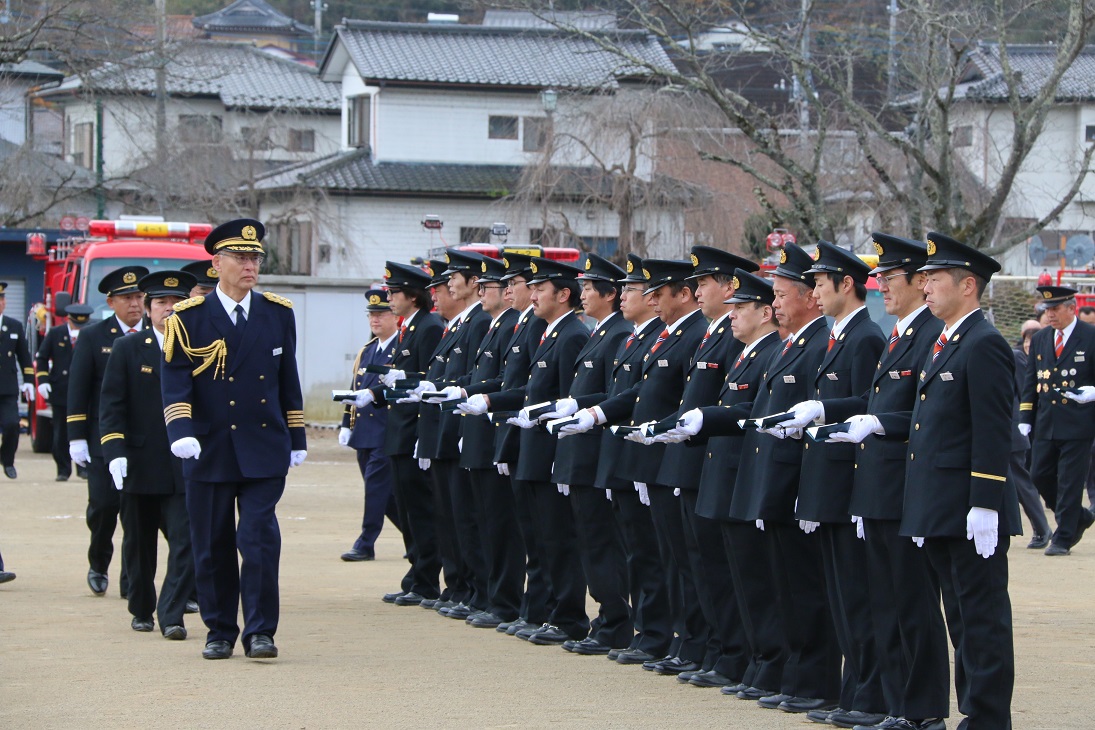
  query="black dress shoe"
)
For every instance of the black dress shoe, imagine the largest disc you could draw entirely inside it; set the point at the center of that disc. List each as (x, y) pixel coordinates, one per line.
(1055, 549)
(6, 576)
(526, 633)
(591, 647)
(483, 620)
(175, 633)
(357, 556)
(820, 716)
(711, 679)
(61, 478)
(217, 650)
(10, 473)
(851, 718)
(805, 704)
(772, 701)
(408, 599)
(1037, 542)
(390, 597)
(676, 665)
(886, 724)
(262, 647)
(429, 603)
(81, 471)
(97, 582)
(460, 612)
(192, 607)
(549, 636)
(504, 627)
(141, 624)
(754, 693)
(634, 656)
(615, 653)
(1087, 518)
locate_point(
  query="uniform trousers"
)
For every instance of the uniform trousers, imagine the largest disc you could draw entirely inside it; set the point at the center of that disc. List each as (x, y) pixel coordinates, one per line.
(558, 544)
(975, 597)
(1031, 501)
(466, 534)
(224, 581)
(1059, 470)
(537, 602)
(414, 500)
(1091, 479)
(688, 621)
(812, 668)
(728, 651)
(603, 564)
(749, 556)
(143, 518)
(646, 581)
(376, 471)
(59, 448)
(500, 535)
(910, 635)
(104, 503)
(9, 428)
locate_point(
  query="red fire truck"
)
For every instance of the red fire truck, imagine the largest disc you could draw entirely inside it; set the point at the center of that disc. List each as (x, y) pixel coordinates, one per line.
(74, 267)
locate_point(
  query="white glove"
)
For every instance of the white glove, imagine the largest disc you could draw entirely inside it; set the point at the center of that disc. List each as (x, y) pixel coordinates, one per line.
(503, 468)
(424, 464)
(391, 376)
(452, 392)
(760, 525)
(1086, 394)
(1024, 428)
(644, 493)
(187, 448)
(564, 407)
(677, 491)
(859, 527)
(982, 526)
(475, 405)
(806, 413)
(918, 541)
(782, 431)
(344, 436)
(640, 436)
(412, 397)
(44, 390)
(807, 526)
(688, 425)
(460, 445)
(296, 458)
(859, 428)
(520, 421)
(608, 494)
(564, 489)
(585, 422)
(118, 469)
(422, 387)
(77, 451)
(363, 398)
(28, 391)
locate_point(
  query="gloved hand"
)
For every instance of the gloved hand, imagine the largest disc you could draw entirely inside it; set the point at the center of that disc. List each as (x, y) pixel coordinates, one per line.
(563, 407)
(1025, 428)
(44, 390)
(1085, 394)
(608, 494)
(859, 527)
(807, 526)
(118, 469)
(296, 458)
(760, 525)
(806, 413)
(640, 436)
(77, 451)
(412, 397)
(28, 392)
(918, 541)
(585, 422)
(424, 464)
(520, 421)
(391, 376)
(363, 398)
(344, 436)
(982, 526)
(564, 489)
(676, 491)
(422, 387)
(644, 493)
(859, 428)
(503, 468)
(187, 448)
(781, 431)
(452, 392)
(475, 405)
(688, 425)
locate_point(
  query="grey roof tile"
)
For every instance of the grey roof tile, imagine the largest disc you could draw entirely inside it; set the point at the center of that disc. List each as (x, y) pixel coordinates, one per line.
(244, 15)
(984, 79)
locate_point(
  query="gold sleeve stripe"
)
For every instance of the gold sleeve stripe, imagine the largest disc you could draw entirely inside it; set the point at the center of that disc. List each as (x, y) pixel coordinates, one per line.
(76, 417)
(43, 374)
(1026, 406)
(111, 437)
(993, 477)
(179, 407)
(28, 371)
(290, 414)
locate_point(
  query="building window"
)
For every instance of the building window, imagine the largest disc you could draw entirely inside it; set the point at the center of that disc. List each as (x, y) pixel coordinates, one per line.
(256, 138)
(302, 140)
(83, 145)
(200, 128)
(289, 249)
(962, 136)
(535, 137)
(502, 127)
(1089, 133)
(474, 235)
(357, 133)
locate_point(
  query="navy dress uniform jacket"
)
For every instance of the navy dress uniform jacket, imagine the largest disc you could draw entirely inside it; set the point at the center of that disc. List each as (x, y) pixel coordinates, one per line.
(53, 363)
(131, 417)
(1052, 416)
(846, 370)
(368, 424)
(89, 357)
(252, 437)
(14, 356)
(486, 366)
(457, 351)
(412, 355)
(576, 456)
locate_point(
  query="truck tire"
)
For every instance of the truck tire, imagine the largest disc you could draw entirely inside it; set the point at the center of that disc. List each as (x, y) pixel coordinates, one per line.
(41, 440)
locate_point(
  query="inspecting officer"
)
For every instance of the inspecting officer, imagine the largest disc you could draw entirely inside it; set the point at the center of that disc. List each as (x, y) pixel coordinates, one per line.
(234, 413)
(16, 359)
(53, 362)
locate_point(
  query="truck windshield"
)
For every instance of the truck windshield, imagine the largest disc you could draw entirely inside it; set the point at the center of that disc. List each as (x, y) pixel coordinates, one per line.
(98, 268)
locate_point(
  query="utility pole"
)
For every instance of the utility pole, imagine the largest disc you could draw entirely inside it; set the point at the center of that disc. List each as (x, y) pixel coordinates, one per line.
(317, 31)
(800, 84)
(161, 95)
(891, 66)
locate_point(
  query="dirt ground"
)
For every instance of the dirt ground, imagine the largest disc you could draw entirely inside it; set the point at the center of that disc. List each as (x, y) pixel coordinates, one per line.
(69, 659)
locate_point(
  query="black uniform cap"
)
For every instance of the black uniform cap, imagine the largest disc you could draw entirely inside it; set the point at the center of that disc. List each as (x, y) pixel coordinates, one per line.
(707, 260)
(895, 252)
(945, 252)
(243, 235)
(377, 301)
(634, 271)
(79, 313)
(517, 264)
(749, 287)
(659, 272)
(400, 276)
(1054, 295)
(794, 264)
(168, 284)
(204, 272)
(122, 281)
(438, 273)
(468, 263)
(491, 270)
(551, 270)
(832, 259)
(598, 268)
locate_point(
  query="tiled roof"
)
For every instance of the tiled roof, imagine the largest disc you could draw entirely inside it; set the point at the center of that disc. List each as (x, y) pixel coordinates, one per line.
(43, 169)
(586, 20)
(241, 75)
(28, 68)
(495, 56)
(984, 79)
(250, 15)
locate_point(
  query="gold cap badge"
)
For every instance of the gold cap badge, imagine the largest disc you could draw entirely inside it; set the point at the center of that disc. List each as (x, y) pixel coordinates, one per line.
(1047, 295)
(129, 277)
(817, 253)
(248, 233)
(589, 264)
(878, 248)
(171, 281)
(387, 274)
(931, 248)
(446, 258)
(483, 266)
(212, 273)
(735, 283)
(783, 256)
(646, 274)
(505, 262)
(695, 260)
(630, 266)
(374, 299)
(532, 265)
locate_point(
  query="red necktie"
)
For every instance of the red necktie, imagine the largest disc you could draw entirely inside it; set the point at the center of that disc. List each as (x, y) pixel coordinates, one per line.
(739, 361)
(1060, 346)
(939, 344)
(704, 340)
(72, 340)
(543, 337)
(832, 341)
(130, 331)
(661, 338)
(630, 339)
(893, 338)
(402, 329)
(786, 346)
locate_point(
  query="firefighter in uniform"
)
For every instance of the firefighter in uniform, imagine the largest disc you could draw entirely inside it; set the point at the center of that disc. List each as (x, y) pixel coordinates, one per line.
(53, 362)
(14, 352)
(207, 277)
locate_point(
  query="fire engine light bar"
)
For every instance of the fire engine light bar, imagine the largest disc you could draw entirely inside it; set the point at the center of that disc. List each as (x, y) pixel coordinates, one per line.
(149, 229)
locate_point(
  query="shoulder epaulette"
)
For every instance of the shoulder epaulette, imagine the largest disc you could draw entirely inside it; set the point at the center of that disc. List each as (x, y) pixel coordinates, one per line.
(188, 303)
(278, 299)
